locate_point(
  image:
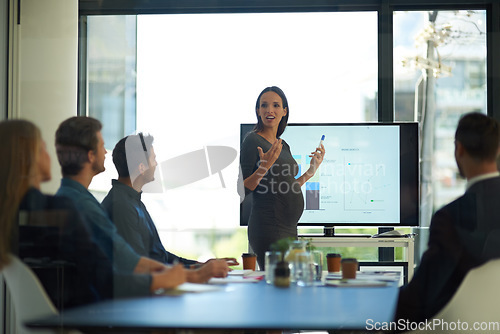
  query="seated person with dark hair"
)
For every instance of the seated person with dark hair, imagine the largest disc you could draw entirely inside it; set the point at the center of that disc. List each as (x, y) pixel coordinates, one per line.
(81, 154)
(464, 233)
(135, 160)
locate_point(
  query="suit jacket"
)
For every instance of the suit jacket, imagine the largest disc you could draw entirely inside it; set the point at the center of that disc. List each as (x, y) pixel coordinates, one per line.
(464, 234)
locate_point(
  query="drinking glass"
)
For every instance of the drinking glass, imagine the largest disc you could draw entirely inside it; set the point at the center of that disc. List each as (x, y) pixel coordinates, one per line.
(296, 247)
(304, 269)
(317, 259)
(272, 257)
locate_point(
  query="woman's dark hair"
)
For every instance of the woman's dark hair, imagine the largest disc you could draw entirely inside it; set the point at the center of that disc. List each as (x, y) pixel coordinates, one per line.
(480, 136)
(284, 121)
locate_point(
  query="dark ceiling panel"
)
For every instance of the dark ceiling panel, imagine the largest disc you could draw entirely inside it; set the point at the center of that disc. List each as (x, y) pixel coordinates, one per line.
(103, 7)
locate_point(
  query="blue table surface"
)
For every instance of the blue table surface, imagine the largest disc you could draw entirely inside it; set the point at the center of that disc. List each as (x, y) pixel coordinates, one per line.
(240, 305)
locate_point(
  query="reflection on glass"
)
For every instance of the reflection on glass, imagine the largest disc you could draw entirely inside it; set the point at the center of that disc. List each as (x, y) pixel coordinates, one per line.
(111, 63)
(439, 74)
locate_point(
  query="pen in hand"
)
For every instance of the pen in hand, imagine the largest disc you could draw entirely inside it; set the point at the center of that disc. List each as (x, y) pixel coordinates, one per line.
(321, 141)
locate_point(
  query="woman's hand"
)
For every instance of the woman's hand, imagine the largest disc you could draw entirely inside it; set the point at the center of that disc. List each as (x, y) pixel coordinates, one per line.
(316, 159)
(269, 158)
(266, 161)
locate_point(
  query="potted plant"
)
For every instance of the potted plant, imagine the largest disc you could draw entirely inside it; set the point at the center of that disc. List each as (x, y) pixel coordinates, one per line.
(282, 269)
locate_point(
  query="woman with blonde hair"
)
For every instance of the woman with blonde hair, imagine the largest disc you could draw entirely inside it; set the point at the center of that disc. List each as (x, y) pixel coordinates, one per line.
(25, 163)
(49, 230)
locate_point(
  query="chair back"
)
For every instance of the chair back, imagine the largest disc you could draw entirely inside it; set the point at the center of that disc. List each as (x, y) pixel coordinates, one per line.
(28, 295)
(476, 303)
(491, 247)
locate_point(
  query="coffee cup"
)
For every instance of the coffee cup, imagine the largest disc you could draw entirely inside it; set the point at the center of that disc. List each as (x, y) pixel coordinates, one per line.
(349, 268)
(249, 260)
(333, 262)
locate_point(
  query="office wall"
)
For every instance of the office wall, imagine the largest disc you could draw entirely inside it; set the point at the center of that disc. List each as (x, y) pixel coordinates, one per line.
(44, 80)
(4, 36)
(38, 79)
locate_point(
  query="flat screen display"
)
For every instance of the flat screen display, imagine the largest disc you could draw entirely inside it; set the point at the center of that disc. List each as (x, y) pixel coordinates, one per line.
(369, 175)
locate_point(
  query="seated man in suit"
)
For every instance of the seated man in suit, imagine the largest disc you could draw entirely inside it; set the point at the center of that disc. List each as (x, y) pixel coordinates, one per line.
(135, 160)
(81, 154)
(461, 233)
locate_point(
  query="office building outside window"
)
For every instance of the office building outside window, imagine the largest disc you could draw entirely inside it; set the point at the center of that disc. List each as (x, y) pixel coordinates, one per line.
(439, 75)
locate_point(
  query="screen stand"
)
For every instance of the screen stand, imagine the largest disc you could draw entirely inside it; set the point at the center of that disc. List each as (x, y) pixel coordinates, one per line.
(329, 231)
(385, 253)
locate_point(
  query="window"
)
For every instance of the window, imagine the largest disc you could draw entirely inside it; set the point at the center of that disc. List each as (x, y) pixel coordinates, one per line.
(198, 77)
(439, 74)
(111, 77)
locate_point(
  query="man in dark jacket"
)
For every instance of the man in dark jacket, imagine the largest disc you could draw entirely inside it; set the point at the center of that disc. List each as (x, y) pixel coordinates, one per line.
(465, 233)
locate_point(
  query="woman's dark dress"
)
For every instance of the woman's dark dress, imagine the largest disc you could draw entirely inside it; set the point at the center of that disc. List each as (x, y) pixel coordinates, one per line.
(278, 202)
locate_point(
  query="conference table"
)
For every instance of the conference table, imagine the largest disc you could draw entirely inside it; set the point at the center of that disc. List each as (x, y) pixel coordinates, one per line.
(234, 306)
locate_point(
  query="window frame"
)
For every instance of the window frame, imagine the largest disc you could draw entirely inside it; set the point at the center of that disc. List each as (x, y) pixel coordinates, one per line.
(384, 8)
